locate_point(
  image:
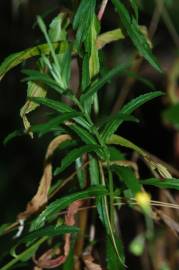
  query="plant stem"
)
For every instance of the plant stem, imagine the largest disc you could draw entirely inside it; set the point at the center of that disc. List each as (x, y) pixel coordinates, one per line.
(102, 9)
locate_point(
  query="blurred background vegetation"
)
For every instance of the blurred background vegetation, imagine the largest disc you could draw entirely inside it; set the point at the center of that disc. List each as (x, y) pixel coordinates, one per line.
(21, 160)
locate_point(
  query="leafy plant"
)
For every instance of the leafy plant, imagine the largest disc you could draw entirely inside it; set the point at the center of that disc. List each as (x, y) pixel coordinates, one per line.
(73, 126)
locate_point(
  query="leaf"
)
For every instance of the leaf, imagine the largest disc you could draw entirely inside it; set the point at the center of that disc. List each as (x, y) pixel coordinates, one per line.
(94, 65)
(17, 58)
(53, 104)
(49, 231)
(12, 135)
(172, 183)
(134, 5)
(57, 31)
(60, 204)
(33, 90)
(35, 75)
(128, 178)
(94, 171)
(128, 109)
(171, 115)
(101, 82)
(73, 155)
(135, 34)
(109, 37)
(62, 108)
(41, 196)
(54, 122)
(111, 122)
(111, 257)
(116, 139)
(82, 20)
(84, 135)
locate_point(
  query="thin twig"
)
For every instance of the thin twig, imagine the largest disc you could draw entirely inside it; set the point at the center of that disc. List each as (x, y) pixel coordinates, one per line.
(102, 9)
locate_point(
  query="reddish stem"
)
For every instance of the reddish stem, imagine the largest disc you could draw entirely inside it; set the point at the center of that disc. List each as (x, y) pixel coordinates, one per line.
(102, 9)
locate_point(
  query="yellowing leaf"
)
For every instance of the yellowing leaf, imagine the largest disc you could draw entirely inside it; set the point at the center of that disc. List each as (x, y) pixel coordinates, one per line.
(109, 37)
(33, 90)
(57, 31)
(94, 58)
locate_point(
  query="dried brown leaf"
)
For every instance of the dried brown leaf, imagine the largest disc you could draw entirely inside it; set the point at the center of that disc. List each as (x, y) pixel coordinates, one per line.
(41, 197)
(89, 263)
(47, 260)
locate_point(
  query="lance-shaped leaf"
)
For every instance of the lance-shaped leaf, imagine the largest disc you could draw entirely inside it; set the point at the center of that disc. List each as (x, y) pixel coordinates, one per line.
(82, 20)
(134, 32)
(162, 183)
(74, 154)
(54, 122)
(101, 82)
(135, 103)
(17, 58)
(62, 108)
(60, 204)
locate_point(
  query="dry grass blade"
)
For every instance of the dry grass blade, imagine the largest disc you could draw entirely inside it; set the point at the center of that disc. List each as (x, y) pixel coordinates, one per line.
(41, 197)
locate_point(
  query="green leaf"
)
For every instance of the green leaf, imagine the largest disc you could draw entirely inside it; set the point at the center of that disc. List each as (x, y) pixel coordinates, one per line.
(101, 82)
(53, 104)
(49, 231)
(135, 34)
(109, 37)
(82, 20)
(54, 122)
(12, 135)
(84, 135)
(94, 171)
(118, 140)
(113, 125)
(127, 176)
(17, 58)
(60, 204)
(74, 154)
(171, 115)
(134, 5)
(111, 257)
(162, 183)
(85, 73)
(62, 108)
(35, 75)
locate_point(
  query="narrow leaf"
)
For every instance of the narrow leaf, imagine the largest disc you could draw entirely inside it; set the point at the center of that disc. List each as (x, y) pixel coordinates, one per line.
(162, 183)
(113, 125)
(73, 155)
(135, 34)
(62, 203)
(101, 82)
(17, 58)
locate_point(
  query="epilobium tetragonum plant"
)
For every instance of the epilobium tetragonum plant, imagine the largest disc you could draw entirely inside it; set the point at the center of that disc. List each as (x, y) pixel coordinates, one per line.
(60, 226)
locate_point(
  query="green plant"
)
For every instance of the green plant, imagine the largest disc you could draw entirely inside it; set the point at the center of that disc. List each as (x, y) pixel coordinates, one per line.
(88, 143)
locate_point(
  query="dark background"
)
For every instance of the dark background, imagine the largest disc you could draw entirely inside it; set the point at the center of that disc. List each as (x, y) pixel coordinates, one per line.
(21, 161)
